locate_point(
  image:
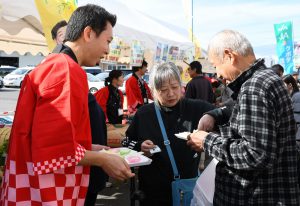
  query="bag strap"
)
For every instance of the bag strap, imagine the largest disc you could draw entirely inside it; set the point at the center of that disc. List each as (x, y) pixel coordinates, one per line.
(167, 143)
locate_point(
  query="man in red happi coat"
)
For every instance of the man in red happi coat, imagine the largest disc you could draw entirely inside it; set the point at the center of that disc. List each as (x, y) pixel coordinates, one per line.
(50, 148)
(137, 90)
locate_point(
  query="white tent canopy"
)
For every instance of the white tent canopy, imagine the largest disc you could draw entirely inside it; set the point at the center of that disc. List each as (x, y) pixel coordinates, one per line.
(21, 37)
(21, 30)
(132, 24)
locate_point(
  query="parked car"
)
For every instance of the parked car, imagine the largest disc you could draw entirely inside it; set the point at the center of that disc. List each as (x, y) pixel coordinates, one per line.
(94, 83)
(15, 78)
(92, 70)
(4, 70)
(126, 71)
(1, 82)
(102, 75)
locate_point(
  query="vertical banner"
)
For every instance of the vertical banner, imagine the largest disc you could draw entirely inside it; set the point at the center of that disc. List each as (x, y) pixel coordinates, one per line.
(189, 55)
(52, 12)
(165, 53)
(173, 53)
(158, 52)
(297, 54)
(181, 55)
(137, 53)
(285, 47)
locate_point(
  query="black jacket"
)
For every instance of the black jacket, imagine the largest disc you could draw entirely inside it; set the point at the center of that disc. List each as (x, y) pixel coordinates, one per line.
(155, 179)
(199, 88)
(99, 136)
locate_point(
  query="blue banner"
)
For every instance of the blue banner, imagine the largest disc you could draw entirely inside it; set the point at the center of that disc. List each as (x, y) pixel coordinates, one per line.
(285, 46)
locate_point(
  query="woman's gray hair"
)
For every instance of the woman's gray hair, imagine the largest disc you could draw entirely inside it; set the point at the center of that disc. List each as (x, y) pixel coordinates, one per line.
(163, 73)
(229, 39)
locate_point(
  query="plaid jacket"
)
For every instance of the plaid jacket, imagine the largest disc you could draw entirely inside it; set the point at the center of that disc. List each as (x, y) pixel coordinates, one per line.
(257, 148)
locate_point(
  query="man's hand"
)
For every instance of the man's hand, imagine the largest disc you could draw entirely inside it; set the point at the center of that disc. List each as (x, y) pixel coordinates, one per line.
(115, 166)
(196, 140)
(206, 123)
(146, 146)
(97, 147)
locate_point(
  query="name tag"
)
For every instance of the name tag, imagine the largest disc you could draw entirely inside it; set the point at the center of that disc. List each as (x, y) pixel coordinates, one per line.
(120, 112)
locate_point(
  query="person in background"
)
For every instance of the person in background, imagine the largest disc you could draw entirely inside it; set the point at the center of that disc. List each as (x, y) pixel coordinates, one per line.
(256, 149)
(137, 90)
(111, 99)
(98, 178)
(58, 32)
(198, 87)
(50, 147)
(296, 76)
(278, 69)
(179, 114)
(225, 95)
(293, 90)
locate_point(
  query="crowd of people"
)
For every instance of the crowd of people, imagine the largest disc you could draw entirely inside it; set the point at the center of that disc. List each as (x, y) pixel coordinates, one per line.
(247, 119)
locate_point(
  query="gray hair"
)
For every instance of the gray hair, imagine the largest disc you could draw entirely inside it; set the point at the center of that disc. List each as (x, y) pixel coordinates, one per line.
(162, 73)
(232, 40)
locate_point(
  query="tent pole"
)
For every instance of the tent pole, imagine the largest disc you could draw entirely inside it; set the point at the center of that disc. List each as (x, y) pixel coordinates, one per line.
(193, 21)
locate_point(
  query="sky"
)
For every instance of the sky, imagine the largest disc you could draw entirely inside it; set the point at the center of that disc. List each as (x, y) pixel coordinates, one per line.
(253, 18)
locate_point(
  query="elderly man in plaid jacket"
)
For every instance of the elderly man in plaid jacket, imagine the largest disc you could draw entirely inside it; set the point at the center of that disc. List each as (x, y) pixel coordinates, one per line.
(256, 149)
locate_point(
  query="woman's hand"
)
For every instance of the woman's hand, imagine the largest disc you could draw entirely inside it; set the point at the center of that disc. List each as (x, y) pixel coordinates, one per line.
(146, 146)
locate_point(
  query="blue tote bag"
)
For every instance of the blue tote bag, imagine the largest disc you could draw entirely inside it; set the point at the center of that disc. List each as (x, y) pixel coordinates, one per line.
(182, 189)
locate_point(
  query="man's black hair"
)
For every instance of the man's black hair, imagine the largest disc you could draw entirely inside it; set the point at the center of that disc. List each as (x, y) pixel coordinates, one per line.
(136, 68)
(56, 27)
(278, 68)
(89, 15)
(195, 65)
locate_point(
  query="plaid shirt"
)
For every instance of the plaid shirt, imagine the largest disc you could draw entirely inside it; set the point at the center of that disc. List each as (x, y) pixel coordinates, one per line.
(257, 148)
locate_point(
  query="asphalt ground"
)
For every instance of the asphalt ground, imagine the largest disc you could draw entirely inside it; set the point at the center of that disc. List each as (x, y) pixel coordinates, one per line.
(116, 195)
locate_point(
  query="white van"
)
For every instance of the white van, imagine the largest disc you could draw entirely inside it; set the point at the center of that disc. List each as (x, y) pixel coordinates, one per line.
(94, 83)
(15, 78)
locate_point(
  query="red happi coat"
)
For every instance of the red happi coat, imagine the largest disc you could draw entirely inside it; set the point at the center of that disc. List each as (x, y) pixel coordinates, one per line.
(50, 134)
(102, 97)
(134, 94)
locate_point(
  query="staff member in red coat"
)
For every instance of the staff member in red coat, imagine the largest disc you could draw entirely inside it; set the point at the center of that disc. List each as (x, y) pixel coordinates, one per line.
(137, 90)
(50, 148)
(110, 98)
